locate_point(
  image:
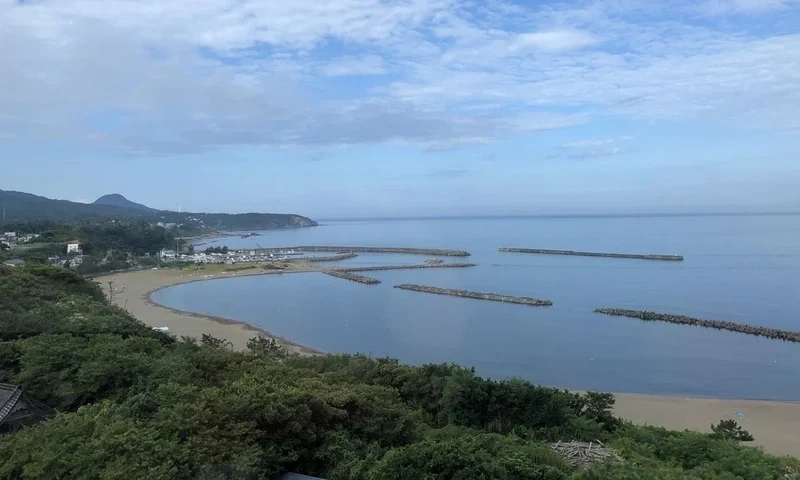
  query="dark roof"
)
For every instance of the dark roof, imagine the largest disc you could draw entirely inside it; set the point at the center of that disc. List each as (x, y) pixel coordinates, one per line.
(297, 476)
(9, 396)
(14, 261)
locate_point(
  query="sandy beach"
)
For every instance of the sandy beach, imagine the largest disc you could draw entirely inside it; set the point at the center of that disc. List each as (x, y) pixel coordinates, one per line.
(775, 425)
(132, 292)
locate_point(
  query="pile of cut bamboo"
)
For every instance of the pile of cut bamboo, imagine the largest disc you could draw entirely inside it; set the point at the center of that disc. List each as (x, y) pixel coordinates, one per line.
(580, 454)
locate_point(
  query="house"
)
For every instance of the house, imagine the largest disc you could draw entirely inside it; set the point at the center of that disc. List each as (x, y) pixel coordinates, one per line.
(74, 247)
(76, 261)
(17, 409)
(168, 254)
(14, 262)
(10, 234)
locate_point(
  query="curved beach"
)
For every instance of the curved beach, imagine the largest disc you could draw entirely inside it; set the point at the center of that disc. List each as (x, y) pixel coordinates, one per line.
(133, 292)
(775, 425)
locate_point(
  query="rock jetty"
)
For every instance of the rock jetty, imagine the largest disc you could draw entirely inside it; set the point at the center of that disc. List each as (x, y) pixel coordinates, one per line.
(757, 330)
(331, 258)
(352, 277)
(407, 267)
(477, 295)
(673, 258)
(413, 251)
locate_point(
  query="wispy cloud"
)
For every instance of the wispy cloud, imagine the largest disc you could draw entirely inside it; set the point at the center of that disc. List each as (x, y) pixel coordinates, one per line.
(595, 148)
(151, 77)
(448, 173)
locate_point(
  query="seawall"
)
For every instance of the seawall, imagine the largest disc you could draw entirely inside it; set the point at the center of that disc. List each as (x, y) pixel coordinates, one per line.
(413, 251)
(331, 258)
(352, 277)
(541, 251)
(756, 330)
(476, 295)
(407, 267)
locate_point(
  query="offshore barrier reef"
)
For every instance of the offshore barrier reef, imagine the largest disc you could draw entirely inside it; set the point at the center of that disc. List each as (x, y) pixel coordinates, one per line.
(757, 330)
(351, 276)
(406, 267)
(477, 295)
(413, 251)
(673, 258)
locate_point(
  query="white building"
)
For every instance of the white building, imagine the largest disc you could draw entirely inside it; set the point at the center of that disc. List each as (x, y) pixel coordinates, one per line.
(76, 261)
(74, 247)
(168, 254)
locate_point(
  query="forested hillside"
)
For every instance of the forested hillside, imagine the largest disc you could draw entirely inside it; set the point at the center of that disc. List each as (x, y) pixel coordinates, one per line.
(25, 207)
(137, 404)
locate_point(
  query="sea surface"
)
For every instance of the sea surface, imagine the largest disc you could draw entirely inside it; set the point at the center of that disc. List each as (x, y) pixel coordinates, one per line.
(739, 268)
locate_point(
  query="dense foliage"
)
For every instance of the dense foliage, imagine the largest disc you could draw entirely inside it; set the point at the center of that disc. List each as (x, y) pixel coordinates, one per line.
(136, 404)
(106, 246)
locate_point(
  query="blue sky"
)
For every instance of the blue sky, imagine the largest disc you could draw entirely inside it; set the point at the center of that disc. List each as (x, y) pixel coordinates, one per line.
(401, 108)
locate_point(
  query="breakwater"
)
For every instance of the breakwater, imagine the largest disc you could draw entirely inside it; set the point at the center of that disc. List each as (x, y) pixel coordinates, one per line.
(352, 277)
(757, 330)
(476, 295)
(407, 267)
(331, 258)
(413, 251)
(541, 251)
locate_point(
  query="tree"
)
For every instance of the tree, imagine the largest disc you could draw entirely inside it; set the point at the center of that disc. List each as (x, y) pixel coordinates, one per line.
(266, 347)
(730, 430)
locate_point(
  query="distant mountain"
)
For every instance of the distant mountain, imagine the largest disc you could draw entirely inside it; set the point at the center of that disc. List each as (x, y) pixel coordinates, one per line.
(117, 200)
(25, 207)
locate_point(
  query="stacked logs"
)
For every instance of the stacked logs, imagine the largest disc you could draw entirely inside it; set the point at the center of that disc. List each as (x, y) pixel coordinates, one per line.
(756, 330)
(580, 454)
(477, 295)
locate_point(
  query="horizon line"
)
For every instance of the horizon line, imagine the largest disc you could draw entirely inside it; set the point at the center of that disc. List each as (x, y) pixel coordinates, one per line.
(565, 215)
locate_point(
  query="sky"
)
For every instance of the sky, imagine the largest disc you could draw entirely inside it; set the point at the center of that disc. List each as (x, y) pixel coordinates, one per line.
(355, 108)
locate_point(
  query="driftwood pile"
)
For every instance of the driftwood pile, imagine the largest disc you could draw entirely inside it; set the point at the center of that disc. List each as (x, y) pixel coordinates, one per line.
(580, 454)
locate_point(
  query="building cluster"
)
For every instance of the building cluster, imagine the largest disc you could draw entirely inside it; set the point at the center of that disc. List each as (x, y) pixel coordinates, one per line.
(11, 238)
(232, 257)
(71, 261)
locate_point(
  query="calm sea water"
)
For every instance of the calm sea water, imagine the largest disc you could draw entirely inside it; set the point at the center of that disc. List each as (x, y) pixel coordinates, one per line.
(742, 268)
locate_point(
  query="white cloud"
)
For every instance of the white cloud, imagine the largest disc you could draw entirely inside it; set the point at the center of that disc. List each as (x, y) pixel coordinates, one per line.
(352, 66)
(554, 40)
(157, 77)
(729, 7)
(595, 148)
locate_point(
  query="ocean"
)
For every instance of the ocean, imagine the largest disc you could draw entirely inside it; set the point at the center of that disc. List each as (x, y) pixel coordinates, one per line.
(738, 268)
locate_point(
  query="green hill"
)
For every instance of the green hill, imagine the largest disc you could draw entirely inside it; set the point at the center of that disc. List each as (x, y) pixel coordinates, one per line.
(117, 200)
(25, 207)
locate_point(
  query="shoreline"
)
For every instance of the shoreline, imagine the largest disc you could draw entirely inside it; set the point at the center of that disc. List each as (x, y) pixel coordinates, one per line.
(775, 424)
(133, 292)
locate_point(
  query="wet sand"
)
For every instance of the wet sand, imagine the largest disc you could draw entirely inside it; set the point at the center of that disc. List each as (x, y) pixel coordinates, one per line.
(775, 425)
